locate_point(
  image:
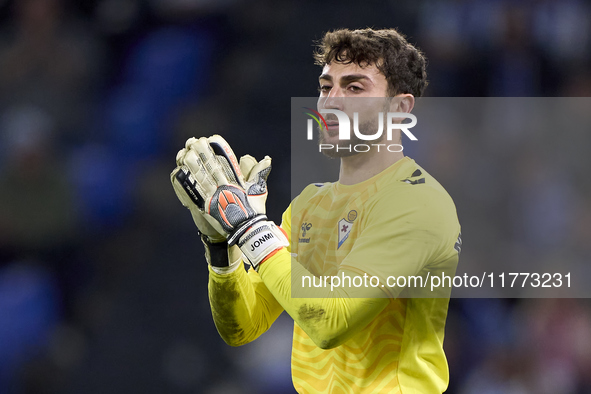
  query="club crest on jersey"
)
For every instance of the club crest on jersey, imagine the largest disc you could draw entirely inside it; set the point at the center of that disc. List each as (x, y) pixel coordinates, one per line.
(305, 228)
(345, 226)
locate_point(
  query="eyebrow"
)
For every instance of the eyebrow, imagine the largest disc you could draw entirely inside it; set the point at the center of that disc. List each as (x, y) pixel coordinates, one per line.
(346, 78)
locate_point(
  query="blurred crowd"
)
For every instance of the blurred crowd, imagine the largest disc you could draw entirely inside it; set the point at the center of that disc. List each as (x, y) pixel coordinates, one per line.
(103, 287)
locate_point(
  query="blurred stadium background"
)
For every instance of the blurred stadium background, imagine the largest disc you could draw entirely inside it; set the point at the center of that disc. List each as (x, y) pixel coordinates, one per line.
(102, 280)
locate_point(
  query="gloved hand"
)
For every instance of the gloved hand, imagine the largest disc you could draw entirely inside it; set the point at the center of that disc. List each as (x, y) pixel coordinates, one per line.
(231, 206)
(181, 179)
(222, 258)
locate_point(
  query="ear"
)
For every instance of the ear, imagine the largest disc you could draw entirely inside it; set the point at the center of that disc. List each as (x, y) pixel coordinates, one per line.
(404, 103)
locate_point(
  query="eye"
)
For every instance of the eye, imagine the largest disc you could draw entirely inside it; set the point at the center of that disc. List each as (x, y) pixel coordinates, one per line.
(355, 88)
(324, 88)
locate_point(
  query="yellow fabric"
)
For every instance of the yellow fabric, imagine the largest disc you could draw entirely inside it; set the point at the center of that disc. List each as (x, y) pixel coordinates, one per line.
(354, 340)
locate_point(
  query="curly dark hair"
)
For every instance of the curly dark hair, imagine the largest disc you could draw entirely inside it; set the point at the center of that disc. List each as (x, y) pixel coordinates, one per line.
(402, 64)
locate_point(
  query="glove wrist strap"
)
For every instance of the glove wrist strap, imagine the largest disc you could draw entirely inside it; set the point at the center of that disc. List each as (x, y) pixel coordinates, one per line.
(216, 253)
(222, 258)
(260, 240)
(244, 227)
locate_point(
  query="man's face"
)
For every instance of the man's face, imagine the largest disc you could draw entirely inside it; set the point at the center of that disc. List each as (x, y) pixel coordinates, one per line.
(351, 88)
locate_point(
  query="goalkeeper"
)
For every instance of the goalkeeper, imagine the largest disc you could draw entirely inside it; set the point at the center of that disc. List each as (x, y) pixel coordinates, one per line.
(386, 216)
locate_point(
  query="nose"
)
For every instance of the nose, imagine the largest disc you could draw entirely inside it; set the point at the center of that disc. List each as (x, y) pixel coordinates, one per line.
(334, 100)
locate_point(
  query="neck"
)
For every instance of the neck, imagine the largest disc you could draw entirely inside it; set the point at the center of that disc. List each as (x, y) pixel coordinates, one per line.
(362, 166)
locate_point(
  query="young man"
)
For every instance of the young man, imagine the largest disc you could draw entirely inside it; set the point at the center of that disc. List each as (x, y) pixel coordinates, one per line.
(386, 217)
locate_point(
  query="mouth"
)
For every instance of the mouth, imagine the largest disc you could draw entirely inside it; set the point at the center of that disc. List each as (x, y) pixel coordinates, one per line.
(332, 125)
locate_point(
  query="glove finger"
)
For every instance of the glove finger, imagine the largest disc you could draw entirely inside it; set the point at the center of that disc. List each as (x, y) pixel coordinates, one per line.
(201, 179)
(247, 162)
(178, 188)
(190, 142)
(209, 162)
(187, 189)
(257, 185)
(193, 160)
(226, 155)
(263, 168)
(180, 156)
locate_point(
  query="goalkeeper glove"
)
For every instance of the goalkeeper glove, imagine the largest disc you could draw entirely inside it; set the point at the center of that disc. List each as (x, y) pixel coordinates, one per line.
(219, 256)
(231, 205)
(181, 178)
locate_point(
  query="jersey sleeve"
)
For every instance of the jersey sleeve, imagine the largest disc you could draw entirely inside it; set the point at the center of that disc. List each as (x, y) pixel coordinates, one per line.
(241, 305)
(409, 239)
(328, 316)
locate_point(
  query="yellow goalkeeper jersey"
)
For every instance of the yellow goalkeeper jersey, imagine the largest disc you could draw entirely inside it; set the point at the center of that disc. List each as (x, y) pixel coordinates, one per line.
(371, 338)
(401, 349)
